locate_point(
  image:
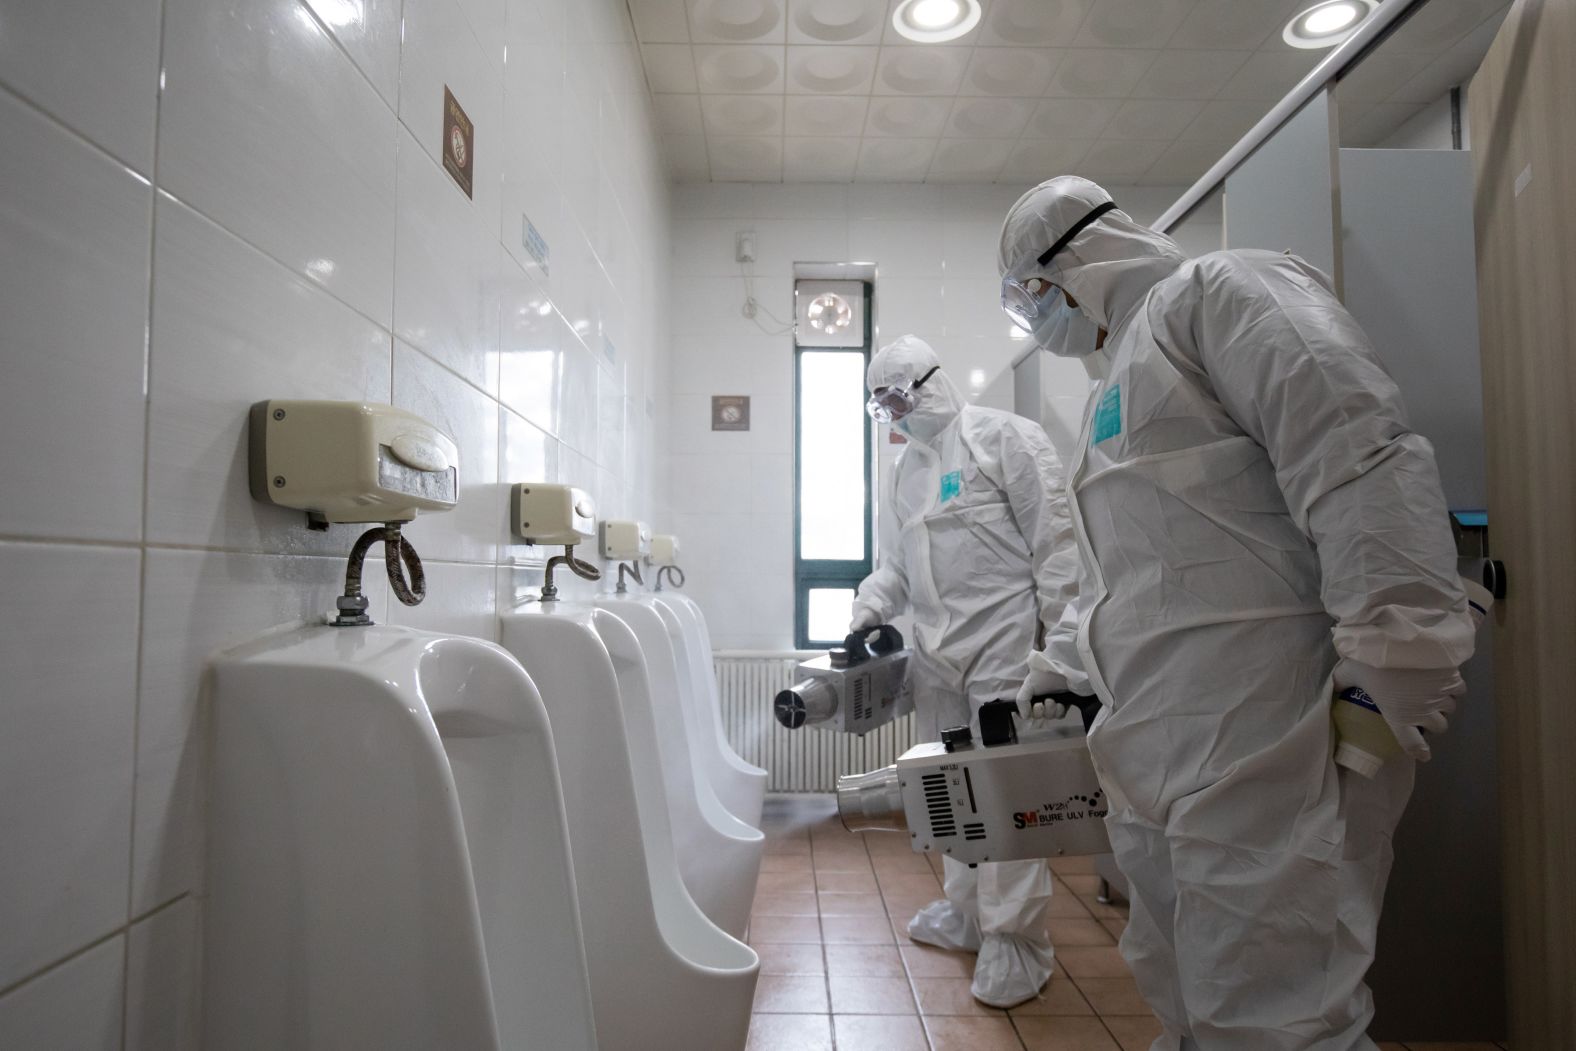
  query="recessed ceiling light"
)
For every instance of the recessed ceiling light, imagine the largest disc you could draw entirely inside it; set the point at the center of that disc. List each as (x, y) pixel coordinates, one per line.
(1327, 24)
(935, 21)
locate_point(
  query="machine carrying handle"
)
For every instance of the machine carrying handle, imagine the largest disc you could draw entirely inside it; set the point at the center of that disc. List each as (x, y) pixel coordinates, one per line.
(1088, 707)
(888, 640)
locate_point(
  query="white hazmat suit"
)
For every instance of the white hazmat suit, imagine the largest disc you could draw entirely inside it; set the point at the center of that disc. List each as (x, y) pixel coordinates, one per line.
(976, 542)
(1258, 524)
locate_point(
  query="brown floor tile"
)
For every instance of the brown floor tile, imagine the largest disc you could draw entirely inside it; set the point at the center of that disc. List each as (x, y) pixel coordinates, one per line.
(776, 848)
(1064, 1034)
(1081, 883)
(845, 882)
(948, 996)
(802, 929)
(782, 883)
(1093, 961)
(1100, 911)
(937, 866)
(1066, 932)
(852, 905)
(892, 844)
(923, 961)
(908, 864)
(1113, 996)
(1116, 927)
(799, 864)
(909, 885)
(790, 1033)
(1059, 997)
(856, 930)
(787, 958)
(903, 906)
(871, 996)
(873, 961)
(842, 861)
(880, 1033)
(790, 994)
(784, 903)
(1133, 1032)
(1081, 864)
(1068, 905)
(972, 1034)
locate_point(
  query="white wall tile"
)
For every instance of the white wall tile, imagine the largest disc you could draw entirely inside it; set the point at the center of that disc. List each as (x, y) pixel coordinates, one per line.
(162, 979)
(74, 230)
(579, 427)
(232, 327)
(268, 128)
(67, 719)
(530, 350)
(369, 31)
(459, 602)
(469, 532)
(899, 248)
(77, 1005)
(94, 66)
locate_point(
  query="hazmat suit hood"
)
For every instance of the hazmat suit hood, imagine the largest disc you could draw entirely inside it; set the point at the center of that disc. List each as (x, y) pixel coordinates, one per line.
(938, 400)
(1108, 267)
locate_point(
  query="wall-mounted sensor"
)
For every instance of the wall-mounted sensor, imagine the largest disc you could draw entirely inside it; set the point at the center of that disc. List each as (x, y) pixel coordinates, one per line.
(625, 540)
(350, 461)
(664, 550)
(552, 515)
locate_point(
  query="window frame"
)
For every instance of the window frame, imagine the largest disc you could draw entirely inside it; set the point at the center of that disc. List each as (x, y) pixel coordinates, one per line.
(814, 574)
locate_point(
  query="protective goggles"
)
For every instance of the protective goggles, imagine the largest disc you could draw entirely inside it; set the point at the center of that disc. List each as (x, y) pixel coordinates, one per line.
(1022, 294)
(887, 404)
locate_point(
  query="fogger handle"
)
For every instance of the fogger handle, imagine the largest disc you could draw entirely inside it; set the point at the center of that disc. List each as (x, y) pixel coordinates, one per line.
(859, 647)
(1088, 707)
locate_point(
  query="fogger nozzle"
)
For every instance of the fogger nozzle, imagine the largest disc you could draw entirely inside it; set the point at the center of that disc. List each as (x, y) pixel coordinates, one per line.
(806, 701)
(872, 801)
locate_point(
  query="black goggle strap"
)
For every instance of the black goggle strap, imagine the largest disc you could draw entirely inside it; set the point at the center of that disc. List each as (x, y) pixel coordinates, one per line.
(1076, 229)
(921, 381)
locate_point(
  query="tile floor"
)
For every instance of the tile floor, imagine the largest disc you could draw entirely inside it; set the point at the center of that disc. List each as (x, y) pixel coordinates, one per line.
(838, 970)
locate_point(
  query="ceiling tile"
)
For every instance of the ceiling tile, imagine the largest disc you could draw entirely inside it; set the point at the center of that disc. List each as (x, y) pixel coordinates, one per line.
(1019, 72)
(1071, 118)
(743, 114)
(920, 118)
(1269, 75)
(828, 70)
(1438, 25)
(659, 21)
(1381, 75)
(1179, 74)
(1099, 73)
(669, 67)
(739, 69)
(835, 21)
(834, 115)
(989, 118)
(1037, 161)
(1132, 23)
(1119, 157)
(677, 114)
(1234, 24)
(1455, 67)
(969, 160)
(1161, 119)
(920, 70)
(736, 21)
(686, 157)
(1224, 121)
(820, 159)
(1185, 162)
(895, 160)
(746, 158)
(1033, 23)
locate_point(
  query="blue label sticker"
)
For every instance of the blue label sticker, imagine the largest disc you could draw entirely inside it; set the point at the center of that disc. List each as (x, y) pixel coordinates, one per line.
(1108, 415)
(951, 485)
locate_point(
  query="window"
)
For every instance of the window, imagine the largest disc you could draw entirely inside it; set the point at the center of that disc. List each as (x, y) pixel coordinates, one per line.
(832, 505)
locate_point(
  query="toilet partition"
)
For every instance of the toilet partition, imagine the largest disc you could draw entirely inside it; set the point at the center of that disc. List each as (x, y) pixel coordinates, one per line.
(662, 974)
(740, 785)
(388, 858)
(719, 856)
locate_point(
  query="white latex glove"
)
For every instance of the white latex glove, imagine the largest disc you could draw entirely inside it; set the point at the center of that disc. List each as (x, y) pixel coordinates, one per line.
(1410, 699)
(865, 618)
(1040, 681)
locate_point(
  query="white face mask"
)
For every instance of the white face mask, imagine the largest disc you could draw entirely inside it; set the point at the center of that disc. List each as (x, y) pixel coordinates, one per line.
(1065, 330)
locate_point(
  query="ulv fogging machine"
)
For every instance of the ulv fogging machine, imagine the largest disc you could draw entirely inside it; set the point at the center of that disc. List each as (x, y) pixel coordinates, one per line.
(855, 688)
(999, 800)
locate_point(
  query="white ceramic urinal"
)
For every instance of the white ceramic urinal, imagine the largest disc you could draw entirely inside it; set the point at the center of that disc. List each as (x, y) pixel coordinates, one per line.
(740, 785)
(719, 855)
(388, 858)
(662, 974)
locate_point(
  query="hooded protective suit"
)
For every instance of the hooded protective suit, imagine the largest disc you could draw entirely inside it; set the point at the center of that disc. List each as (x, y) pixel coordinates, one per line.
(1252, 509)
(976, 542)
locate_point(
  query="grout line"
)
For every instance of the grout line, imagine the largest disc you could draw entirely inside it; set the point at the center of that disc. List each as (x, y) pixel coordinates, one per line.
(26, 103)
(121, 929)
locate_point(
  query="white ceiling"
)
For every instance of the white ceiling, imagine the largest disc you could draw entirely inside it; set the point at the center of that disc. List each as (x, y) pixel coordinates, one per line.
(1124, 91)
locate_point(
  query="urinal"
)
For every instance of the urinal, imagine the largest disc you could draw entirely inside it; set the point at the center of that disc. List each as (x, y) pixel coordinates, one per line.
(719, 855)
(740, 785)
(662, 974)
(388, 856)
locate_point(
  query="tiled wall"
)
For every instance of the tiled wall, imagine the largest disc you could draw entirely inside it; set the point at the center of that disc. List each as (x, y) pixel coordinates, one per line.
(210, 202)
(730, 494)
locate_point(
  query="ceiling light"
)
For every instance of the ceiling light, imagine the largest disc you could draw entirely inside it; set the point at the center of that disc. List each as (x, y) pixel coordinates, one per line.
(935, 21)
(976, 378)
(1327, 24)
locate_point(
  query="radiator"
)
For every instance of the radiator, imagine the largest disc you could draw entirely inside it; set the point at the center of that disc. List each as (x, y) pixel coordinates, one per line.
(803, 760)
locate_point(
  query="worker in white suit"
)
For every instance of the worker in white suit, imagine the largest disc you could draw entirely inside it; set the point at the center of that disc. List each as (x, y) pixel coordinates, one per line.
(977, 545)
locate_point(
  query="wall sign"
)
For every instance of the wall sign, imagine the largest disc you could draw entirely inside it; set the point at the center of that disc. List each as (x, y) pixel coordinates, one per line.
(459, 142)
(534, 242)
(730, 412)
